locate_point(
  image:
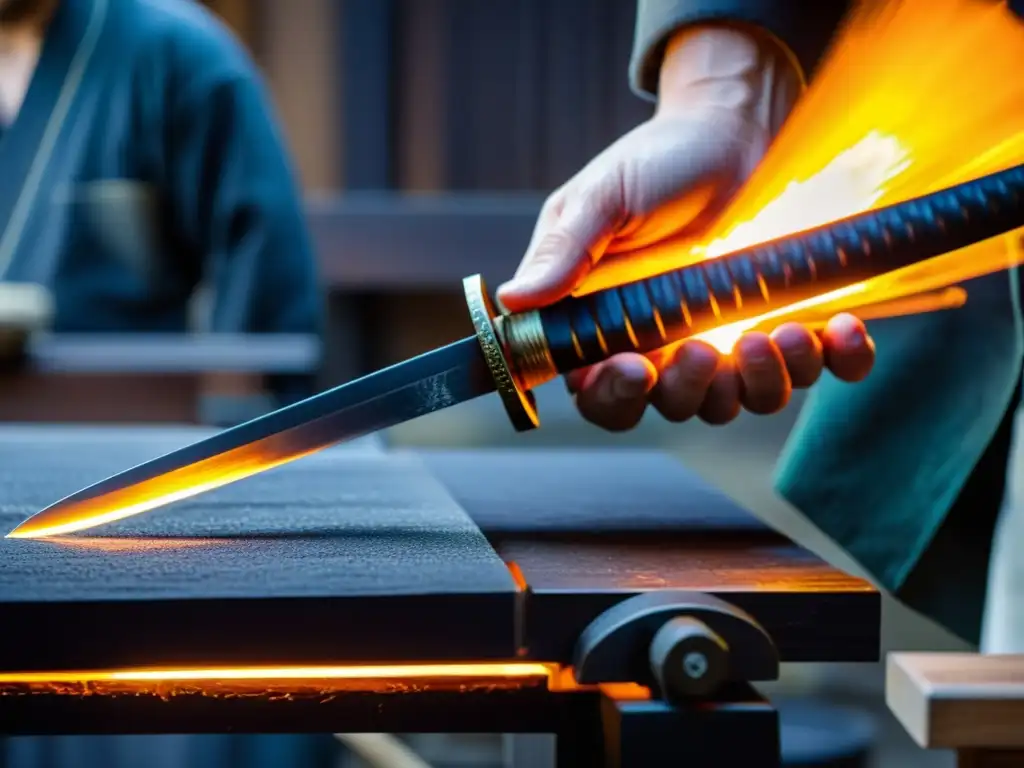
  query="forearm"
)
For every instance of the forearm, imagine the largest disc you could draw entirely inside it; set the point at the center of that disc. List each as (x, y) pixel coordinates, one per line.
(736, 69)
(801, 30)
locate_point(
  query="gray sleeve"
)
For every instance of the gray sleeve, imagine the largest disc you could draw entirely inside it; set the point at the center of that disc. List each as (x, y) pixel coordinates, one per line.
(804, 26)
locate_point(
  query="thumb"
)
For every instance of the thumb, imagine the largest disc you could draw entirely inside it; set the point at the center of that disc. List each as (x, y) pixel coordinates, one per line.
(563, 250)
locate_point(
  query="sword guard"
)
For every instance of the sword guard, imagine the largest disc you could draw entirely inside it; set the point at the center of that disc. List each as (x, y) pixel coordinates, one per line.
(518, 400)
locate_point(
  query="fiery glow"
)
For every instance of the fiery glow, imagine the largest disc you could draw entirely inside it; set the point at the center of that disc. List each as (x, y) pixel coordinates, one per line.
(320, 683)
(294, 682)
(63, 518)
(284, 673)
(914, 96)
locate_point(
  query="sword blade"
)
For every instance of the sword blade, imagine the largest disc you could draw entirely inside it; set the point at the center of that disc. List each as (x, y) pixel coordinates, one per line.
(425, 384)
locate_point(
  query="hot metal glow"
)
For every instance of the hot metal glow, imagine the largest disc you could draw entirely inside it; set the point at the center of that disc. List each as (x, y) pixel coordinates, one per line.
(284, 673)
(64, 518)
(320, 683)
(915, 96)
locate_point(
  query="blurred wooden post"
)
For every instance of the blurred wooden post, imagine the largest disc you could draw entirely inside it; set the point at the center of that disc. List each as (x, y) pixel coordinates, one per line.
(967, 702)
(240, 15)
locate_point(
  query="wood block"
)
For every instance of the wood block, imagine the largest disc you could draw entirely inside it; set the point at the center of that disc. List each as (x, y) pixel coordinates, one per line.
(958, 700)
(346, 556)
(25, 306)
(588, 529)
(24, 309)
(142, 378)
(72, 398)
(173, 354)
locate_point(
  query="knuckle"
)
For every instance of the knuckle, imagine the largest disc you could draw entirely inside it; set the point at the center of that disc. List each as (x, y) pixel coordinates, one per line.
(718, 417)
(805, 373)
(554, 202)
(676, 410)
(720, 408)
(766, 402)
(618, 419)
(695, 370)
(553, 247)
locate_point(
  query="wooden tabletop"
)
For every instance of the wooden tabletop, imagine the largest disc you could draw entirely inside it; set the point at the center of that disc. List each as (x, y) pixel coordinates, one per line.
(959, 700)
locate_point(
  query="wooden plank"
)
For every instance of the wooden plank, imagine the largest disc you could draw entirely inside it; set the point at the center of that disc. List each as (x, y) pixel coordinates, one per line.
(239, 16)
(137, 353)
(365, 61)
(146, 378)
(421, 118)
(349, 555)
(591, 528)
(112, 398)
(990, 758)
(811, 611)
(419, 242)
(958, 700)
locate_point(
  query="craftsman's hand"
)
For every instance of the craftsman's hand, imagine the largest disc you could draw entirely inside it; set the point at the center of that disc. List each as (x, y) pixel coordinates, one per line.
(723, 95)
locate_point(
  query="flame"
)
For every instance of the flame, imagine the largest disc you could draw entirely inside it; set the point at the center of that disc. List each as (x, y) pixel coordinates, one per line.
(914, 96)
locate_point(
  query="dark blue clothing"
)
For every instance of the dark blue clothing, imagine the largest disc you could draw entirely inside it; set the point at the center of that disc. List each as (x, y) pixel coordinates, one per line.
(145, 162)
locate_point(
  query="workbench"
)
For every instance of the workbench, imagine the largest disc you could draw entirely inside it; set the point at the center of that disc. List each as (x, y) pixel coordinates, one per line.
(148, 378)
(562, 567)
(967, 702)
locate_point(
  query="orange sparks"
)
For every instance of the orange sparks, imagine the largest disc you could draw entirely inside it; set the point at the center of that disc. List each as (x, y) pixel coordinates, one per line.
(285, 673)
(287, 681)
(915, 96)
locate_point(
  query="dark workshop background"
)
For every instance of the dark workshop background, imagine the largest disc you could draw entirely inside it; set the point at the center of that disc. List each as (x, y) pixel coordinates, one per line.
(426, 133)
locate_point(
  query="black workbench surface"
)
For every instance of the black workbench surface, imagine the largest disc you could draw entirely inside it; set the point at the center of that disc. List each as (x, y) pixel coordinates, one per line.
(360, 554)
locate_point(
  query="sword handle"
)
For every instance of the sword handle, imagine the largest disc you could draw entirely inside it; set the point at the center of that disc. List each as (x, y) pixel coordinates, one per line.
(648, 314)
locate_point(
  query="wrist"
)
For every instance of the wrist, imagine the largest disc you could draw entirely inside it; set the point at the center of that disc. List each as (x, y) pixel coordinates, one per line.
(729, 67)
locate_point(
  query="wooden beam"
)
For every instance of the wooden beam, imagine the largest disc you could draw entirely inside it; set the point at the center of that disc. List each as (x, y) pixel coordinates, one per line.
(962, 701)
(130, 378)
(240, 15)
(364, 77)
(155, 354)
(392, 242)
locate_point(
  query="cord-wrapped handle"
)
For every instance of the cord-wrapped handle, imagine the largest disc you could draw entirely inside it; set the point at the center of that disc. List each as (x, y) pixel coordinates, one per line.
(648, 314)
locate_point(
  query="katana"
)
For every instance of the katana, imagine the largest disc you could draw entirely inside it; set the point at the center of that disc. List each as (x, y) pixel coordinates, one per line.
(512, 354)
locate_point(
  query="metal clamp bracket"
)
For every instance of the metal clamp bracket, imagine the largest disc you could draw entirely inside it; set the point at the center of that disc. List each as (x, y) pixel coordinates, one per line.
(682, 645)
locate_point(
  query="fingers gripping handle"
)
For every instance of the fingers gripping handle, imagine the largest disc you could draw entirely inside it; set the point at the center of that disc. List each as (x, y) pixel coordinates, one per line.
(648, 314)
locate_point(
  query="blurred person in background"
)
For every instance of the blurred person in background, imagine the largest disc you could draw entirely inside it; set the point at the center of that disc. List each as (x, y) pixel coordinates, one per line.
(140, 159)
(907, 471)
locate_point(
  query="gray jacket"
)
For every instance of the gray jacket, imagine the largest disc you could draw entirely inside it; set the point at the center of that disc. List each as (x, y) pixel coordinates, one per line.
(905, 470)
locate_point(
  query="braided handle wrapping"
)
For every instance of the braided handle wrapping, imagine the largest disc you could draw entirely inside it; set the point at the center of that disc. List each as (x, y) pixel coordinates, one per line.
(651, 313)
